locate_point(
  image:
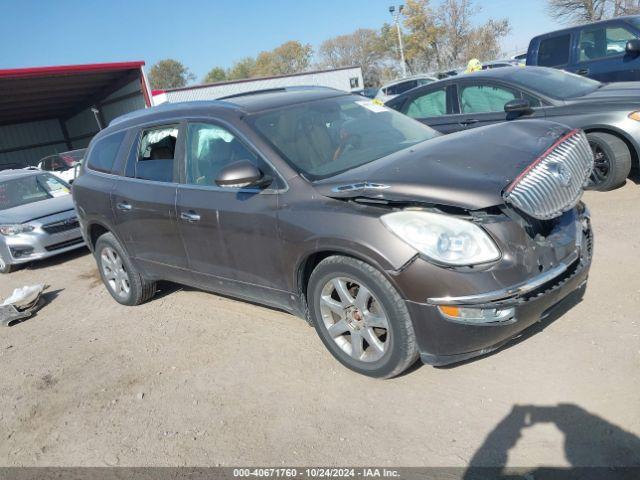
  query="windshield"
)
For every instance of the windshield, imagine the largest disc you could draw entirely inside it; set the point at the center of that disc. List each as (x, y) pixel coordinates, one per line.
(552, 82)
(28, 189)
(326, 137)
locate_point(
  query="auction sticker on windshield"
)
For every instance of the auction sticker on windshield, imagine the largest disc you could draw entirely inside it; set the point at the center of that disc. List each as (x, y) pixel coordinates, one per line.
(373, 106)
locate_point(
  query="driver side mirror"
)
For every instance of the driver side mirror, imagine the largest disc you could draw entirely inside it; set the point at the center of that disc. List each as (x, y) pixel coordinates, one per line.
(242, 174)
(633, 46)
(518, 105)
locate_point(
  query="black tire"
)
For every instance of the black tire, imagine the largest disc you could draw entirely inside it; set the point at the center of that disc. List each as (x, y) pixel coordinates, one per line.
(402, 350)
(140, 289)
(618, 161)
(5, 266)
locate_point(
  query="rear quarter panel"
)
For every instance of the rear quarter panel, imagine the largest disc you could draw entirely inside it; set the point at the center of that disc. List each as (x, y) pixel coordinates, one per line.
(92, 199)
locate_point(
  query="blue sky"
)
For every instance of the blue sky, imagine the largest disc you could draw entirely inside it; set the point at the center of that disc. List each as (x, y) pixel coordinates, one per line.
(202, 33)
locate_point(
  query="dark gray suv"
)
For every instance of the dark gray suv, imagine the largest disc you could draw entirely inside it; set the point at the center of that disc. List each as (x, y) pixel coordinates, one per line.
(392, 240)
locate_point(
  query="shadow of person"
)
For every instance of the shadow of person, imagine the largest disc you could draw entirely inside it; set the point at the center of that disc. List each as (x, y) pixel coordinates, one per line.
(589, 441)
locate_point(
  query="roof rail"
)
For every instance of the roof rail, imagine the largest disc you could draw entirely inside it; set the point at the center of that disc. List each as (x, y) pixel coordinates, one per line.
(254, 92)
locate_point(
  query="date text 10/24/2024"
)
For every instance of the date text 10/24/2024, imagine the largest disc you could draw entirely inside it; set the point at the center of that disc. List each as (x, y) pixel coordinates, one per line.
(318, 472)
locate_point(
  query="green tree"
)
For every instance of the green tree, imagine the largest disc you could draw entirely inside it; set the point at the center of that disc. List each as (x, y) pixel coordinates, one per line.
(363, 48)
(290, 57)
(446, 37)
(216, 74)
(242, 69)
(169, 73)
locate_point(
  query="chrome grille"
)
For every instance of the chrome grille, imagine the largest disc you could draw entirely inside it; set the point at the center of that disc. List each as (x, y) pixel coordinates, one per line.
(553, 183)
(61, 226)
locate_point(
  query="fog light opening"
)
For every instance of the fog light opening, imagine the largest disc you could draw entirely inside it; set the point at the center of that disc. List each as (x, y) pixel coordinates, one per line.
(477, 315)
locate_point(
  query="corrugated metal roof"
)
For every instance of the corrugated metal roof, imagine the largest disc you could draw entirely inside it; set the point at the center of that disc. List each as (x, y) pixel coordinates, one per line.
(28, 94)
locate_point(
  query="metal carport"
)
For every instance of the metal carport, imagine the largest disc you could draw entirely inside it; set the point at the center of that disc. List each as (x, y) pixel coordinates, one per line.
(46, 110)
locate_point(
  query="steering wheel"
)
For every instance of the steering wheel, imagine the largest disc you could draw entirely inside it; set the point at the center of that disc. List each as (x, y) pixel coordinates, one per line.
(346, 139)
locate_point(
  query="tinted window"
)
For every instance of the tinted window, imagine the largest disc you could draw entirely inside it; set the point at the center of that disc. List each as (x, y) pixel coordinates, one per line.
(431, 104)
(104, 152)
(603, 42)
(31, 188)
(484, 98)
(325, 137)
(156, 154)
(552, 83)
(401, 87)
(209, 149)
(554, 51)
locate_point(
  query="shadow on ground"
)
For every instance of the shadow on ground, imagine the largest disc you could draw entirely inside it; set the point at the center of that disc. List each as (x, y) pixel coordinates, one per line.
(594, 447)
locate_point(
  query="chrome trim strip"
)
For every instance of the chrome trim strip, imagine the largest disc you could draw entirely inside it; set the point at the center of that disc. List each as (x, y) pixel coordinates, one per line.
(509, 292)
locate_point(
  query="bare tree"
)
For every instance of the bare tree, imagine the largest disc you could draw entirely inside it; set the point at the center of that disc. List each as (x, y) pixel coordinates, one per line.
(583, 11)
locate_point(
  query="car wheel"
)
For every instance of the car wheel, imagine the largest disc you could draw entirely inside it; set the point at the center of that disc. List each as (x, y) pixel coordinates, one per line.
(611, 161)
(361, 318)
(123, 281)
(5, 266)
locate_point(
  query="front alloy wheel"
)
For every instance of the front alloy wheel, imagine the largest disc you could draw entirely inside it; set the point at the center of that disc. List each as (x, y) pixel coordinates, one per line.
(360, 317)
(355, 319)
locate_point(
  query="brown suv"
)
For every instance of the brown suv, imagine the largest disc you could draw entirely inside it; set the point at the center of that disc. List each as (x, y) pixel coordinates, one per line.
(393, 241)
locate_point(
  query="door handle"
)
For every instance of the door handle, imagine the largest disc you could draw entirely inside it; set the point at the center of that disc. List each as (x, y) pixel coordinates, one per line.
(469, 121)
(124, 206)
(190, 216)
(582, 71)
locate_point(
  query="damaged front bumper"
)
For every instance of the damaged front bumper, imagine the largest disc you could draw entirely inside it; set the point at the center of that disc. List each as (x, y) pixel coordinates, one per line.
(444, 340)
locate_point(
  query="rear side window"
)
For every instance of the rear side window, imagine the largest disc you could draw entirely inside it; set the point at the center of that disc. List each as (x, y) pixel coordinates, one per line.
(401, 87)
(104, 152)
(156, 154)
(432, 104)
(554, 51)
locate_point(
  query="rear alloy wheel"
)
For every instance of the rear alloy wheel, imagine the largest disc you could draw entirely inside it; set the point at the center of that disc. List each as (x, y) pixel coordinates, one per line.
(611, 161)
(361, 318)
(5, 266)
(123, 281)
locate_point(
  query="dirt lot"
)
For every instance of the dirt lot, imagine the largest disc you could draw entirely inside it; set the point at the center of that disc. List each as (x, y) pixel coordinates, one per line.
(195, 379)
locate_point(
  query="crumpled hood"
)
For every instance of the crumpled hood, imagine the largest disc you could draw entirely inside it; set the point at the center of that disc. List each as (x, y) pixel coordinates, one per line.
(469, 169)
(35, 210)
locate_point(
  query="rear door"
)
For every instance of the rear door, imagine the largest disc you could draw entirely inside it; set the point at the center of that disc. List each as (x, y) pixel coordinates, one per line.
(143, 202)
(554, 51)
(433, 106)
(230, 234)
(601, 53)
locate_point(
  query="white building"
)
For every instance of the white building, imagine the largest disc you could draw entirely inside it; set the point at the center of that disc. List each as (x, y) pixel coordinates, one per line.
(348, 79)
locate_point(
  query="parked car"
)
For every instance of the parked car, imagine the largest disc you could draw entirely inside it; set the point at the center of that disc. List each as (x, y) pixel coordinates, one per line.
(499, 64)
(402, 85)
(37, 218)
(11, 166)
(370, 92)
(63, 165)
(608, 51)
(392, 240)
(608, 113)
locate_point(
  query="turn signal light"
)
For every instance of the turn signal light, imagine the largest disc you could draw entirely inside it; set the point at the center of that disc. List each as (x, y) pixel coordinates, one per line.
(635, 116)
(477, 315)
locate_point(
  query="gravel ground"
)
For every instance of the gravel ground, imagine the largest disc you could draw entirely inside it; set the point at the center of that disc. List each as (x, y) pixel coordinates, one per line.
(192, 378)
